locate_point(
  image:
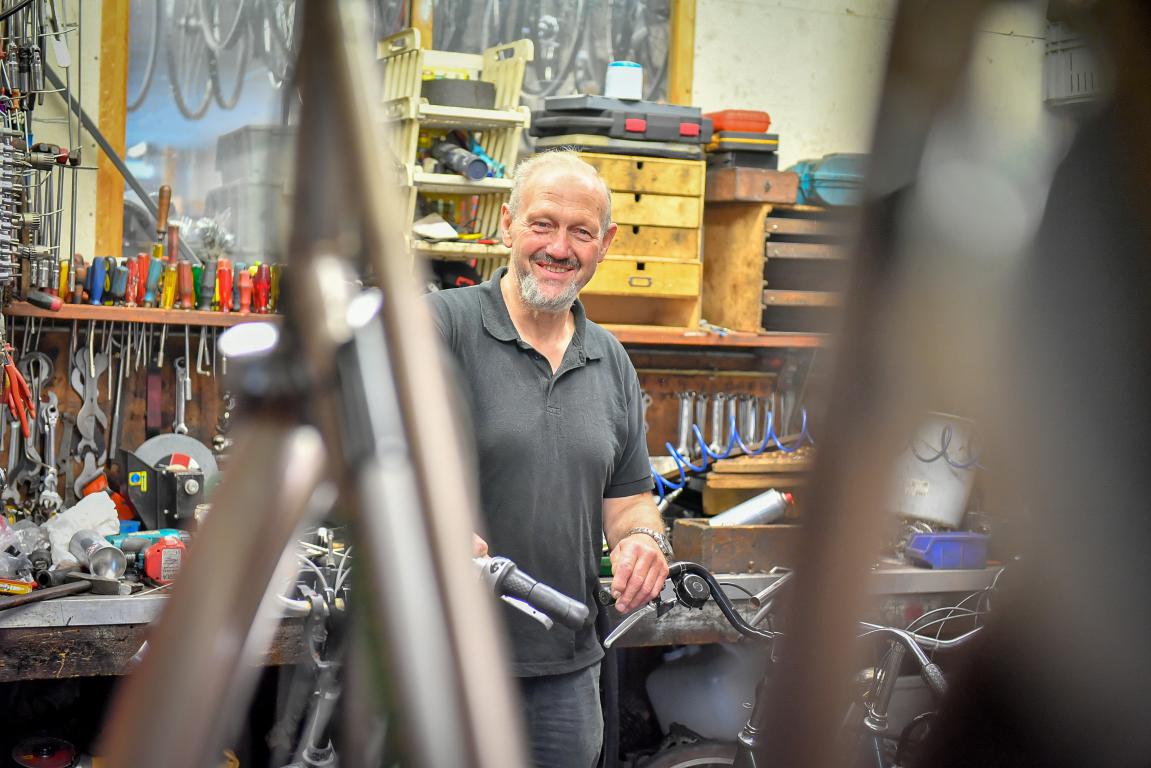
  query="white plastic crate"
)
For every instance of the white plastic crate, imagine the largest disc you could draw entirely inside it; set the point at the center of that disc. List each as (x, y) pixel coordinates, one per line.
(257, 153)
(1070, 69)
(257, 215)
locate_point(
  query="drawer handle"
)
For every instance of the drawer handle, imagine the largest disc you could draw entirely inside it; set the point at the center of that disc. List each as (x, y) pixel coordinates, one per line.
(639, 281)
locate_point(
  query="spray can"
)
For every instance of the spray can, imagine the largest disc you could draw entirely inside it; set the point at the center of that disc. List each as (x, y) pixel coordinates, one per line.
(763, 509)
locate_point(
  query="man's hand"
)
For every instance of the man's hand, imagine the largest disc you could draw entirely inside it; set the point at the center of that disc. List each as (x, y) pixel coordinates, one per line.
(639, 571)
(479, 546)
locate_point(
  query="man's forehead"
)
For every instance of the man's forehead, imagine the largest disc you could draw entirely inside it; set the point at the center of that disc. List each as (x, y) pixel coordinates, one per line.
(554, 182)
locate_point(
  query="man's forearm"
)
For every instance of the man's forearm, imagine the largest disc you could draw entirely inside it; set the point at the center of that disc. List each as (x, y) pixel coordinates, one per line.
(640, 513)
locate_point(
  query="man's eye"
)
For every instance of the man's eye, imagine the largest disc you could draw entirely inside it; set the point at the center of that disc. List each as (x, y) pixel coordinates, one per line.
(540, 226)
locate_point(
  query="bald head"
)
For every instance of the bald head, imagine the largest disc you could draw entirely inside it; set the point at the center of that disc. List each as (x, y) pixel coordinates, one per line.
(557, 162)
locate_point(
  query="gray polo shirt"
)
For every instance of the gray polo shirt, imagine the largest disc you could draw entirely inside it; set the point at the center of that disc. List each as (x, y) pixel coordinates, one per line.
(551, 448)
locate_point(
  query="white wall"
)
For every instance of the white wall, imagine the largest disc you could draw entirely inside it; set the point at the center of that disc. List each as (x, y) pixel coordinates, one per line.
(817, 66)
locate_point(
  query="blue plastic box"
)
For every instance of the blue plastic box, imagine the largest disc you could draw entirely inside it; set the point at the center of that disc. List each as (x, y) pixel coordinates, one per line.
(961, 550)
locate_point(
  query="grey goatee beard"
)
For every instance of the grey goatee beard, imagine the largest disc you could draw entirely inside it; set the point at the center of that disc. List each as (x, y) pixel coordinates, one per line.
(534, 297)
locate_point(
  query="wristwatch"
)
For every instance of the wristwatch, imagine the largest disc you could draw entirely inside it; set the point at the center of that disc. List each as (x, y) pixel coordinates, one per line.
(660, 540)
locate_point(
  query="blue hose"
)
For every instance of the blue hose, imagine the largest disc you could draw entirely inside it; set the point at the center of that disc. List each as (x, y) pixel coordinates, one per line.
(683, 463)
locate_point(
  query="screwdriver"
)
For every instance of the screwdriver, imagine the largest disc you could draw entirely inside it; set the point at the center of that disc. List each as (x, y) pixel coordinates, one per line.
(132, 290)
(152, 283)
(197, 281)
(224, 284)
(162, 205)
(63, 284)
(240, 267)
(96, 276)
(119, 284)
(261, 287)
(168, 286)
(79, 278)
(245, 290)
(141, 262)
(274, 293)
(208, 286)
(173, 241)
(186, 284)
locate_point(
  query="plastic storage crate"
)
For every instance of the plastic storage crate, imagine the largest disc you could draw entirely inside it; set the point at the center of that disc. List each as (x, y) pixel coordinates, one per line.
(407, 112)
(959, 550)
(257, 153)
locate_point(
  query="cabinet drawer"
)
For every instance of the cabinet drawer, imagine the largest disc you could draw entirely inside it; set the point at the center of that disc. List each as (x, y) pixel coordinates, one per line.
(656, 210)
(665, 242)
(625, 173)
(637, 277)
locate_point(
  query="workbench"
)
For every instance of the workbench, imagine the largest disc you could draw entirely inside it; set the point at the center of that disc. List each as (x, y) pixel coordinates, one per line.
(899, 592)
(87, 635)
(91, 636)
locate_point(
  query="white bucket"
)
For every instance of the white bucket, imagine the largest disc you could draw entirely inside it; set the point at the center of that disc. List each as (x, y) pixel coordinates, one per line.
(933, 477)
(624, 81)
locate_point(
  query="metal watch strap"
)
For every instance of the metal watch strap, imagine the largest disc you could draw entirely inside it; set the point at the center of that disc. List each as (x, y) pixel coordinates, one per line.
(660, 540)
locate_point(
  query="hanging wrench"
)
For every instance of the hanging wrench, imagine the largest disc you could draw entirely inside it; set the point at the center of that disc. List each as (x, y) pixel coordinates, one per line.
(183, 395)
(50, 501)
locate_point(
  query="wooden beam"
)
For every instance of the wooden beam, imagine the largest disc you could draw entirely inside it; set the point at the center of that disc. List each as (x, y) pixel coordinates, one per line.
(112, 117)
(422, 13)
(681, 52)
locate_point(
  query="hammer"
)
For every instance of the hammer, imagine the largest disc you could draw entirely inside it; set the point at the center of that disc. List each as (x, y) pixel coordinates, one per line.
(75, 584)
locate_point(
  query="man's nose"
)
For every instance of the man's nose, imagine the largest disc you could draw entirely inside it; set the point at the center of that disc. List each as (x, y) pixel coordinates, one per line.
(557, 245)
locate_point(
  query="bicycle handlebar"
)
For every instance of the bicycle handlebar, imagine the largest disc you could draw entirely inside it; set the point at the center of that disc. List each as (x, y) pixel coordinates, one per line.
(506, 579)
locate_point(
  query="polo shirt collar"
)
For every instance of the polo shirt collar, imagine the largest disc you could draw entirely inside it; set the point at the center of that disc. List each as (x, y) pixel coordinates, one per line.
(498, 322)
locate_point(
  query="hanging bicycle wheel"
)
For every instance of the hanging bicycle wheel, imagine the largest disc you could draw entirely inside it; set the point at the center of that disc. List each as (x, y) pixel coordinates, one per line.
(238, 66)
(223, 23)
(279, 36)
(705, 754)
(557, 28)
(134, 102)
(189, 60)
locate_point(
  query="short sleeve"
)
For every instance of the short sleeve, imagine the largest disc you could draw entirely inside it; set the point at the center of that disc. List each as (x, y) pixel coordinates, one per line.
(632, 473)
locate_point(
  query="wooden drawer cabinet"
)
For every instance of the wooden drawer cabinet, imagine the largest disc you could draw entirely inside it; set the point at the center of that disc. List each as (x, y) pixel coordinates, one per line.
(656, 210)
(653, 273)
(617, 276)
(625, 173)
(679, 243)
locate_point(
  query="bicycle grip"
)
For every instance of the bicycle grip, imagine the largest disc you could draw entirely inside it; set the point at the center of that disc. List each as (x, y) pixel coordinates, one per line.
(556, 605)
(933, 676)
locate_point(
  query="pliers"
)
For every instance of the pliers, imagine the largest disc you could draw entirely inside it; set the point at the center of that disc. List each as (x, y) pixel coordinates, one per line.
(17, 395)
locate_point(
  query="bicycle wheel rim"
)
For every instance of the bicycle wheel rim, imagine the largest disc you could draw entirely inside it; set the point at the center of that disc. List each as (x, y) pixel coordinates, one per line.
(214, 40)
(179, 38)
(701, 755)
(241, 73)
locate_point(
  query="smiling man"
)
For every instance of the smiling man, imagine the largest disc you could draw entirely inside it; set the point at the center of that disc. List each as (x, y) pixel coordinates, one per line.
(559, 432)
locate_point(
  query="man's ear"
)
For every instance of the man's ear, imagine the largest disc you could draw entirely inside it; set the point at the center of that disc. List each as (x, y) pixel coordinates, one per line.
(608, 236)
(506, 225)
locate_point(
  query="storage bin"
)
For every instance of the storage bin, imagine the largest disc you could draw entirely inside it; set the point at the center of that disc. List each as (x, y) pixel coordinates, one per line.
(956, 550)
(257, 153)
(835, 179)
